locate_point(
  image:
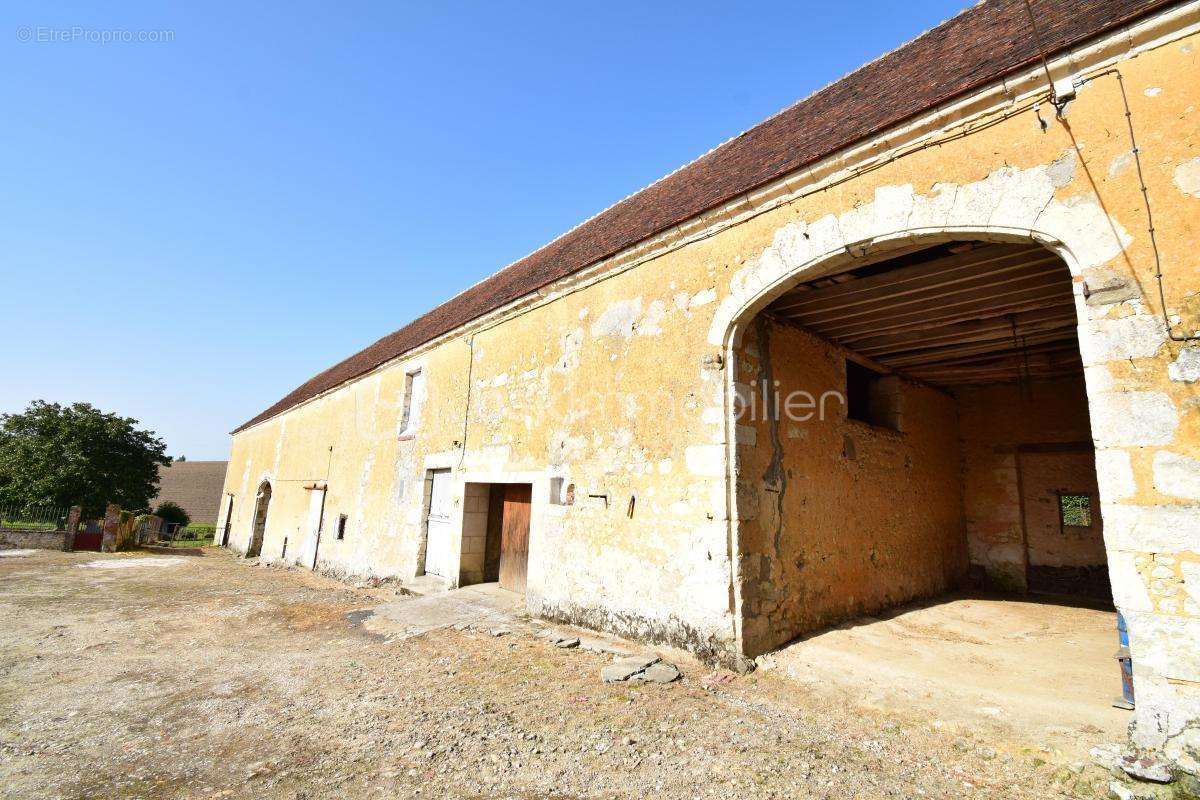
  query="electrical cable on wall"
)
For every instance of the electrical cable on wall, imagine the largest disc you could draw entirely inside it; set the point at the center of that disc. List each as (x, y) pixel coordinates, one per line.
(1150, 230)
(462, 453)
(1059, 105)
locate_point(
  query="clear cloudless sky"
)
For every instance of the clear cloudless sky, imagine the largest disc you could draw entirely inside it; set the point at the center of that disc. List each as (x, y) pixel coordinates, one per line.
(191, 228)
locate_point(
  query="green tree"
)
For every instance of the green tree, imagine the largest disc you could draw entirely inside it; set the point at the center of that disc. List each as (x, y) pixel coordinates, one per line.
(77, 455)
(171, 512)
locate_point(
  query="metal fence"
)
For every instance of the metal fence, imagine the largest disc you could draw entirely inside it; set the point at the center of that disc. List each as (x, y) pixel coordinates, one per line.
(39, 518)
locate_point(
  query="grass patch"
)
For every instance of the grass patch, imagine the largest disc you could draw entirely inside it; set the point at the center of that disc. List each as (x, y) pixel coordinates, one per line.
(29, 525)
(203, 542)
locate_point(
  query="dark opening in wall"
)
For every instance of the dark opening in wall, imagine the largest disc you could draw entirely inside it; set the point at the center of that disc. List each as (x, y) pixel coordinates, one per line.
(872, 397)
(341, 529)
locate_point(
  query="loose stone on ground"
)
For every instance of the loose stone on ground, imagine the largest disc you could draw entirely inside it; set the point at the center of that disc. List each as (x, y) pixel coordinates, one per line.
(639, 668)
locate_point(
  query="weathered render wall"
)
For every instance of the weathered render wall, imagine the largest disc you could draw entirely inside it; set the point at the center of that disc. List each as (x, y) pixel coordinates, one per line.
(844, 518)
(576, 390)
(349, 443)
(996, 421)
(621, 386)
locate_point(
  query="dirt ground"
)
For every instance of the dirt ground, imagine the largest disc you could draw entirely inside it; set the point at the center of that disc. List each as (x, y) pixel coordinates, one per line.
(1046, 669)
(148, 675)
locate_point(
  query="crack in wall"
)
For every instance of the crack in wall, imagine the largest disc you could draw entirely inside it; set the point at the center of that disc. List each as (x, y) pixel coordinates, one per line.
(775, 476)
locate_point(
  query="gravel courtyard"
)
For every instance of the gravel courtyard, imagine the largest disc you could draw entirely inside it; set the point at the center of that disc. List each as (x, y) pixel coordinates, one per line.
(200, 676)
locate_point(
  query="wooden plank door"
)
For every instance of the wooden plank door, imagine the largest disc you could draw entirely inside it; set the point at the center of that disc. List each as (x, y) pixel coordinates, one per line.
(437, 525)
(514, 537)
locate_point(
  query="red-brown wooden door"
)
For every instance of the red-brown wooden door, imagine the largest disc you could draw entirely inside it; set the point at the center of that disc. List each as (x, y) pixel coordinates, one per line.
(88, 541)
(514, 537)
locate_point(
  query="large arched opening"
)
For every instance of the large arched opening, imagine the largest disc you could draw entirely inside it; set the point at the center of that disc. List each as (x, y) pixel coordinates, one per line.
(910, 440)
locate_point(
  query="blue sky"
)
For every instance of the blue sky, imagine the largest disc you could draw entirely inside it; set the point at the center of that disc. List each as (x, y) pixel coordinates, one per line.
(190, 228)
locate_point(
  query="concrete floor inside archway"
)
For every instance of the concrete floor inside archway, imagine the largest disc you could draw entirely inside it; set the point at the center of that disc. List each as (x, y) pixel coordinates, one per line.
(1041, 669)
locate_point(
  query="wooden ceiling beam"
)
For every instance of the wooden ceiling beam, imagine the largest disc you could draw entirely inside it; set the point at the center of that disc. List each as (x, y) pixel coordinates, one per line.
(891, 279)
(985, 303)
(936, 355)
(972, 330)
(1013, 369)
(950, 319)
(1043, 350)
(973, 287)
(923, 280)
(997, 376)
(961, 381)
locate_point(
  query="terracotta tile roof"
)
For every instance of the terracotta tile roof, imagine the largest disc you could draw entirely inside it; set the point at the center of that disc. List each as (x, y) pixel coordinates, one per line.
(974, 48)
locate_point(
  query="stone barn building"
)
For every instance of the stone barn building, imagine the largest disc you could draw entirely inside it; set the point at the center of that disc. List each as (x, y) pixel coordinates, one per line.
(934, 326)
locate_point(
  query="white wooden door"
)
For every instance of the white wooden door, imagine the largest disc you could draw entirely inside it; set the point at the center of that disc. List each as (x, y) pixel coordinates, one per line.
(307, 554)
(437, 526)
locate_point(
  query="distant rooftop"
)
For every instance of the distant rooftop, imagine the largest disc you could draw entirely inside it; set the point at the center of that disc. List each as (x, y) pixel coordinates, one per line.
(195, 486)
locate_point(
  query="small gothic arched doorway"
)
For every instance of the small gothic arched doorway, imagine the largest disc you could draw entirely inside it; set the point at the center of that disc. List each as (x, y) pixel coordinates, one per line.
(258, 531)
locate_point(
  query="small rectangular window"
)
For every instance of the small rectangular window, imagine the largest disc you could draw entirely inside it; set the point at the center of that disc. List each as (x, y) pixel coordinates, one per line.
(341, 529)
(1075, 510)
(872, 397)
(414, 393)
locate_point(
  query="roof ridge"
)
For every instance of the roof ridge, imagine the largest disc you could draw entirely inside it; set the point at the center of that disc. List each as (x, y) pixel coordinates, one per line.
(977, 46)
(718, 146)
